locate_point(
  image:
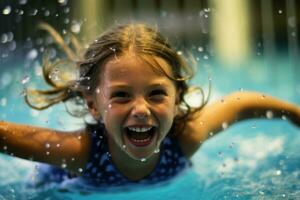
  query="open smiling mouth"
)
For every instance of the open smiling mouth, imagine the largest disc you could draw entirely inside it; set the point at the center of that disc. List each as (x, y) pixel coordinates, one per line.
(140, 137)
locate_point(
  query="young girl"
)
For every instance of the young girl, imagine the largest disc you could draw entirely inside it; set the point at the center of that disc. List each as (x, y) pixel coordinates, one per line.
(133, 83)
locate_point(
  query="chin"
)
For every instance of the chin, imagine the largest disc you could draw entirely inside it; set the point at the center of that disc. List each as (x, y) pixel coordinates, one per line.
(140, 156)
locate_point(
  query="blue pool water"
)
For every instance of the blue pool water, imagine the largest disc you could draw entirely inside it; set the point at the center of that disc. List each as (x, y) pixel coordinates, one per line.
(255, 159)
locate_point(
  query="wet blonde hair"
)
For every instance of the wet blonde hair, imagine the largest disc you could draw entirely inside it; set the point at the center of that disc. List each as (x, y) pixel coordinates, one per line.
(114, 42)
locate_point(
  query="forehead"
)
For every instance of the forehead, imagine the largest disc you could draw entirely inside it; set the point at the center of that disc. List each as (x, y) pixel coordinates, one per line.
(135, 66)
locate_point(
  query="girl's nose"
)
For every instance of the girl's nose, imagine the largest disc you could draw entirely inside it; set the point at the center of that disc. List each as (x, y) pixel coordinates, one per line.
(141, 110)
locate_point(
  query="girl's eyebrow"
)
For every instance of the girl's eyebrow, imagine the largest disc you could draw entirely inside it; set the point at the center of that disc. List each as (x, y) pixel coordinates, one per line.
(126, 86)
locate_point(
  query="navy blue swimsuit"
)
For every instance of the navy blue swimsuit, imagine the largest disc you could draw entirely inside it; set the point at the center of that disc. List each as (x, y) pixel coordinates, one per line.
(101, 172)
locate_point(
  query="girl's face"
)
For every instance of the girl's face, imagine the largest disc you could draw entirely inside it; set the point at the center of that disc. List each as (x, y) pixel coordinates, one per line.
(136, 104)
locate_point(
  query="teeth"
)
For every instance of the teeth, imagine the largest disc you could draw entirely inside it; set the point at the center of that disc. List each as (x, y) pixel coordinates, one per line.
(139, 129)
(145, 140)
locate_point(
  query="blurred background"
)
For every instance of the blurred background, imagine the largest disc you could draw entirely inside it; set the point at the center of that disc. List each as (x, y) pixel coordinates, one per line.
(238, 44)
(233, 29)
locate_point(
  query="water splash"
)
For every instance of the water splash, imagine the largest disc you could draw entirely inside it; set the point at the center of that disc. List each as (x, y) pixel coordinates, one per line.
(269, 114)
(224, 125)
(32, 54)
(25, 80)
(6, 10)
(47, 145)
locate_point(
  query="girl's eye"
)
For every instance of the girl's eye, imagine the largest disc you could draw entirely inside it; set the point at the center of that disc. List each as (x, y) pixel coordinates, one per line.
(120, 94)
(158, 94)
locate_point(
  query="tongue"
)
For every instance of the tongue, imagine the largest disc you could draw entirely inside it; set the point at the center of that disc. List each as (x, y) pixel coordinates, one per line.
(139, 136)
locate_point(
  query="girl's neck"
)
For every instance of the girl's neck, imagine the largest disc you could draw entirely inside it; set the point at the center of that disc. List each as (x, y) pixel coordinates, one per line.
(129, 167)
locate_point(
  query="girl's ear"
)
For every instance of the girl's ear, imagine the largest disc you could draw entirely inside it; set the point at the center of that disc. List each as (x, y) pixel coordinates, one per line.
(92, 107)
(177, 102)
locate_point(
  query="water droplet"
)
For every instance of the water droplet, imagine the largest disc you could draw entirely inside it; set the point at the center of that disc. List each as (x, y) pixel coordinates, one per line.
(63, 165)
(25, 79)
(292, 21)
(211, 133)
(47, 145)
(46, 13)
(75, 28)
(205, 57)
(66, 21)
(12, 46)
(157, 150)
(179, 52)
(143, 159)
(253, 126)
(22, 2)
(6, 10)
(224, 125)
(79, 137)
(33, 12)
(47, 153)
(109, 105)
(80, 170)
(206, 9)
(124, 146)
(67, 10)
(261, 192)
(73, 159)
(98, 90)
(283, 117)
(200, 49)
(21, 12)
(241, 89)
(32, 54)
(64, 2)
(269, 114)
(4, 38)
(278, 172)
(4, 148)
(111, 48)
(280, 11)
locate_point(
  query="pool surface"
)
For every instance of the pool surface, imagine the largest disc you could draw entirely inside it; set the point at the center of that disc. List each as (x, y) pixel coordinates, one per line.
(255, 159)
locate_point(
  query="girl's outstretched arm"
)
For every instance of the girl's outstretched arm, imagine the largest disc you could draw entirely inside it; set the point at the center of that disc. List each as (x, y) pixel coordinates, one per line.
(63, 149)
(235, 107)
